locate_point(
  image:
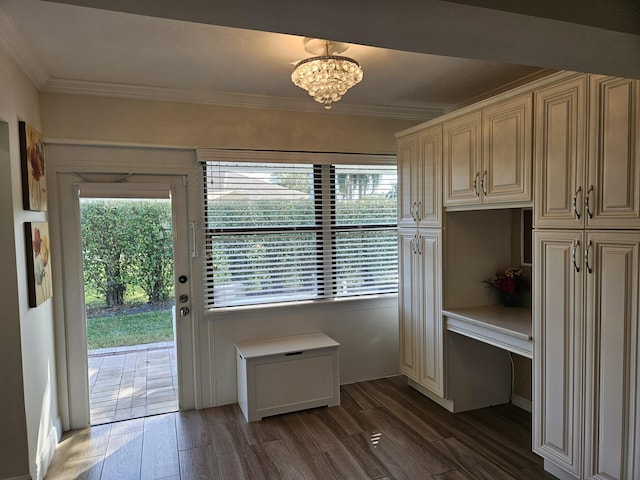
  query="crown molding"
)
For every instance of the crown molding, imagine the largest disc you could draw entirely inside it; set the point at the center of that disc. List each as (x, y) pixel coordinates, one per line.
(81, 87)
(16, 45)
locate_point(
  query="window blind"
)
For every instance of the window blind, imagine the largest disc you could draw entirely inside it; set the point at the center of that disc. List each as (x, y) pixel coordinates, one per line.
(285, 232)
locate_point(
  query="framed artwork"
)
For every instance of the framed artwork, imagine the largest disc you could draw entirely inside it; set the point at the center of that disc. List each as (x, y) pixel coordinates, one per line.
(34, 182)
(38, 262)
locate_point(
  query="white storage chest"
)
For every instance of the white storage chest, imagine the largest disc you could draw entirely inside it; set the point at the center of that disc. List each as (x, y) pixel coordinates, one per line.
(285, 374)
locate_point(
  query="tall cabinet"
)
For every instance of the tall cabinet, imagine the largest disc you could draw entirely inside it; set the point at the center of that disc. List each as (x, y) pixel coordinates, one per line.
(580, 135)
(587, 279)
(420, 258)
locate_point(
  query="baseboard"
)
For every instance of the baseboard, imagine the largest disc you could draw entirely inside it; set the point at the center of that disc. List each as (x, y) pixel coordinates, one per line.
(521, 402)
(557, 471)
(45, 455)
(443, 402)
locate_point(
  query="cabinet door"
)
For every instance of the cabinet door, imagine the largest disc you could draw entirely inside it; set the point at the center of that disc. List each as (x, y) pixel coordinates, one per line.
(557, 339)
(613, 183)
(611, 393)
(461, 150)
(429, 256)
(506, 151)
(408, 180)
(429, 209)
(409, 303)
(560, 154)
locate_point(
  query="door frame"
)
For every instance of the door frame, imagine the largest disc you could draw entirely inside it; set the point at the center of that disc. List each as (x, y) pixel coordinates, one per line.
(173, 168)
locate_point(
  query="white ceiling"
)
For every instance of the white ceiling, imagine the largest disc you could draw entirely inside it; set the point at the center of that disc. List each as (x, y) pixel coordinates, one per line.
(68, 48)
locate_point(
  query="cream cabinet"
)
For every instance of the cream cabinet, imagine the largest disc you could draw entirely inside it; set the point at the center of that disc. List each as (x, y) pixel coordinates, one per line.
(586, 352)
(420, 304)
(612, 197)
(420, 178)
(612, 435)
(558, 348)
(487, 155)
(560, 154)
(588, 174)
(462, 163)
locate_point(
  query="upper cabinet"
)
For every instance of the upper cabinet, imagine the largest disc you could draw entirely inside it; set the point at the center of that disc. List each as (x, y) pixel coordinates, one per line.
(592, 183)
(462, 164)
(487, 155)
(560, 126)
(612, 197)
(420, 178)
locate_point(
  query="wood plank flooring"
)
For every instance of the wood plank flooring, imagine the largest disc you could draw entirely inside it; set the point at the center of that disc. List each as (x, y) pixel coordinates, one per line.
(383, 429)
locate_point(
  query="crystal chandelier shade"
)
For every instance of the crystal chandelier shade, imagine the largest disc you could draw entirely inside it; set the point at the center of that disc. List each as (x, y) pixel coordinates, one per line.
(327, 77)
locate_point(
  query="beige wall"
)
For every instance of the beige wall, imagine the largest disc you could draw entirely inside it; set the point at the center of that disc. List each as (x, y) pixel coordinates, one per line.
(28, 398)
(366, 329)
(145, 122)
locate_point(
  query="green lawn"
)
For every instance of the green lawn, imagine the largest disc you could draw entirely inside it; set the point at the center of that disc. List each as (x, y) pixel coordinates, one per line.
(131, 329)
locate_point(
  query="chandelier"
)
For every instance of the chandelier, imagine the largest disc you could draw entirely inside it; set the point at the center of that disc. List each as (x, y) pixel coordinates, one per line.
(326, 77)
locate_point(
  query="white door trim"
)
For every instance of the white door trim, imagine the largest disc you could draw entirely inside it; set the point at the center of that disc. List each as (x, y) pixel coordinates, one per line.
(71, 165)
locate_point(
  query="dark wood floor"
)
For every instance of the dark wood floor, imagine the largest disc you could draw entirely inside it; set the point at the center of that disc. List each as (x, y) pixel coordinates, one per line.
(382, 430)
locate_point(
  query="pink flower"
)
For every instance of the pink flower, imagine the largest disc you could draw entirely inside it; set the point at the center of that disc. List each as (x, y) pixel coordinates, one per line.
(36, 241)
(506, 284)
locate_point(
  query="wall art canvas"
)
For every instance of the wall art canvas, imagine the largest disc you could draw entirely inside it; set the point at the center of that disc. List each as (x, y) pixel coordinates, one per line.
(38, 262)
(34, 182)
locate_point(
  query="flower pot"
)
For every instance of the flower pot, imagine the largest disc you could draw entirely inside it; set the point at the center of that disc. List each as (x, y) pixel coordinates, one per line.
(510, 299)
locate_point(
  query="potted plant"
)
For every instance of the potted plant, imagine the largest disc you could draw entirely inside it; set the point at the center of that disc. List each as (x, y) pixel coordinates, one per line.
(510, 284)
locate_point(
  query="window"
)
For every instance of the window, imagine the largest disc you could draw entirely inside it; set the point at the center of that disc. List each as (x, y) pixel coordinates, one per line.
(286, 232)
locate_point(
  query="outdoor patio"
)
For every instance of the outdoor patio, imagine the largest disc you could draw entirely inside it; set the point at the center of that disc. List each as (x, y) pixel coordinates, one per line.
(134, 381)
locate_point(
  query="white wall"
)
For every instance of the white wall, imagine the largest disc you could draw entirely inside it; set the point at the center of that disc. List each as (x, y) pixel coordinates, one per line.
(366, 329)
(144, 122)
(28, 399)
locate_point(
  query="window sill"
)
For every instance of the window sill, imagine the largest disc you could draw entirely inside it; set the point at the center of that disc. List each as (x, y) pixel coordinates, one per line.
(213, 314)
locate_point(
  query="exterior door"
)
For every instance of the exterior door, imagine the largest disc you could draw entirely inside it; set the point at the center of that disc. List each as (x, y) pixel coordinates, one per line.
(137, 186)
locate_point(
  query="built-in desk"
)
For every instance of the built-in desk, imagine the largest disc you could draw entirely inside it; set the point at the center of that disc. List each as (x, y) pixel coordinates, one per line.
(503, 327)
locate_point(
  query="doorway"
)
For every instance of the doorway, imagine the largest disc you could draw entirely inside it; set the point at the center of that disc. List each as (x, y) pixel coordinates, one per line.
(126, 364)
(127, 250)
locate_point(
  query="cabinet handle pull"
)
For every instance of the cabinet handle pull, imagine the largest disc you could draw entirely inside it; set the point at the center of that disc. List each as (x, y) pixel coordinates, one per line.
(418, 205)
(586, 257)
(418, 251)
(413, 244)
(413, 211)
(483, 183)
(576, 213)
(587, 202)
(475, 184)
(576, 245)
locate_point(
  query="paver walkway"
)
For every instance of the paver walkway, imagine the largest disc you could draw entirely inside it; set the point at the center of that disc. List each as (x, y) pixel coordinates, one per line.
(131, 382)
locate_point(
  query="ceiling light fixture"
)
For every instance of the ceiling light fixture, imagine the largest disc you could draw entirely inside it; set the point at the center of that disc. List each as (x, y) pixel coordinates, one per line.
(328, 76)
